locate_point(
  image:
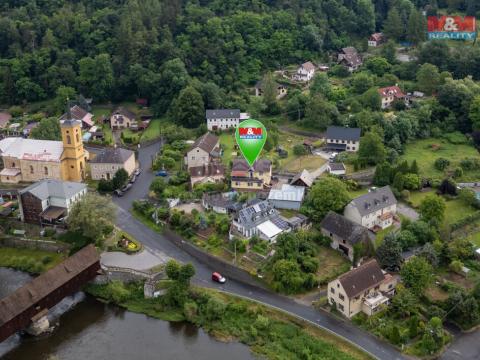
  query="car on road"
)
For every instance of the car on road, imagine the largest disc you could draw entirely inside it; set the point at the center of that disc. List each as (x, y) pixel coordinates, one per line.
(126, 187)
(137, 172)
(217, 277)
(118, 192)
(132, 180)
(162, 173)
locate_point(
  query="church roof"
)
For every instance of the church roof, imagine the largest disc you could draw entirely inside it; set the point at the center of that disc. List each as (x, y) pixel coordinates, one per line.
(31, 149)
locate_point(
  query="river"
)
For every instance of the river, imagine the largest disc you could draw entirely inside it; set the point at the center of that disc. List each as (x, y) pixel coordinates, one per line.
(89, 329)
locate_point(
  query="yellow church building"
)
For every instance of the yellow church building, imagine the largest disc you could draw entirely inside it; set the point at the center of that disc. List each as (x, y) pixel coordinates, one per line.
(30, 160)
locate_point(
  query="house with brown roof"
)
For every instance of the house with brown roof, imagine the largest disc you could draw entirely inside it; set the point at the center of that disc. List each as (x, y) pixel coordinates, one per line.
(251, 178)
(350, 58)
(390, 94)
(205, 150)
(209, 173)
(376, 39)
(304, 179)
(366, 288)
(78, 113)
(122, 118)
(5, 118)
(305, 72)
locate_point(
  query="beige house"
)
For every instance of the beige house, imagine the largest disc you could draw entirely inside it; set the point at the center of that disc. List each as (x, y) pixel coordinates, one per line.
(390, 94)
(342, 138)
(364, 289)
(109, 161)
(204, 151)
(123, 118)
(374, 210)
(344, 233)
(255, 178)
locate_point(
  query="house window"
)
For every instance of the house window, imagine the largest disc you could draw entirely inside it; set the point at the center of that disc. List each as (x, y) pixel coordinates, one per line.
(341, 297)
(250, 184)
(13, 164)
(353, 147)
(340, 306)
(31, 169)
(45, 170)
(332, 290)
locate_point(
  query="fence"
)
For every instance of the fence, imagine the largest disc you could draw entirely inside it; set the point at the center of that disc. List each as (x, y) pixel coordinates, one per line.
(45, 245)
(228, 270)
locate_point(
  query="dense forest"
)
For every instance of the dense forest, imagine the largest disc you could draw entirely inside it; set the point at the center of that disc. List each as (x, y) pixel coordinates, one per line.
(115, 50)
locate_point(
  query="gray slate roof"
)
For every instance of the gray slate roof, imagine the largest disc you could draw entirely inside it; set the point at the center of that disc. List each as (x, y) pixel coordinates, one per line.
(222, 114)
(343, 133)
(112, 156)
(374, 200)
(206, 142)
(344, 228)
(257, 214)
(47, 188)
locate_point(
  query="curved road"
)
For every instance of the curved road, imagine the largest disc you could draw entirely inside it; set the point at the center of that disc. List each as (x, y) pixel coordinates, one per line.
(158, 243)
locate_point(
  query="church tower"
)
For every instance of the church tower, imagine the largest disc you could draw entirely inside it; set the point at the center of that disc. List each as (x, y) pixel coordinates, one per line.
(73, 158)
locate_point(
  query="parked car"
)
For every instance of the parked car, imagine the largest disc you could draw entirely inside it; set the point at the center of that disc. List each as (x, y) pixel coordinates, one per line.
(132, 180)
(217, 277)
(137, 172)
(162, 173)
(126, 187)
(118, 192)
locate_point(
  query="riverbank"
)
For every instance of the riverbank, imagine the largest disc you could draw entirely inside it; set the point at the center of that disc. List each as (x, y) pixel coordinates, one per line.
(268, 332)
(32, 261)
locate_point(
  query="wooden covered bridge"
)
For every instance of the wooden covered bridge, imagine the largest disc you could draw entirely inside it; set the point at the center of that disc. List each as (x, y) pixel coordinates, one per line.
(26, 304)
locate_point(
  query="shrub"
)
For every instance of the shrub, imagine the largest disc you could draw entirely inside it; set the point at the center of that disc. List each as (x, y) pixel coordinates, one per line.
(441, 164)
(458, 173)
(456, 266)
(455, 138)
(299, 150)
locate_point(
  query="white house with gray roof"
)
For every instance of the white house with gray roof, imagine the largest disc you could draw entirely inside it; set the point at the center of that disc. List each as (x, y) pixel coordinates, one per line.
(342, 138)
(259, 219)
(110, 160)
(374, 210)
(49, 200)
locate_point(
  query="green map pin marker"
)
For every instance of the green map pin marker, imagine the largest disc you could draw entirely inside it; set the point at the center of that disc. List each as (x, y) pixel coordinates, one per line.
(251, 136)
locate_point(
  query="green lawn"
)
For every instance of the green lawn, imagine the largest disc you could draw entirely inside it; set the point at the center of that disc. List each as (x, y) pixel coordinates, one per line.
(30, 260)
(422, 151)
(381, 235)
(153, 131)
(227, 140)
(356, 193)
(332, 264)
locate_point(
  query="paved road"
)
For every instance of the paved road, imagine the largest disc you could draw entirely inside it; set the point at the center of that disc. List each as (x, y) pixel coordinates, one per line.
(464, 347)
(407, 211)
(158, 243)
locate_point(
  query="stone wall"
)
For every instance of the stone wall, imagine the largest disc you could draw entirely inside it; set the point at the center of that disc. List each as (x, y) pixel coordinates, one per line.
(45, 245)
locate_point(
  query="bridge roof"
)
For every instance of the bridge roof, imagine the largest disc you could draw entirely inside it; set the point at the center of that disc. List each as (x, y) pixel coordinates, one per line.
(26, 296)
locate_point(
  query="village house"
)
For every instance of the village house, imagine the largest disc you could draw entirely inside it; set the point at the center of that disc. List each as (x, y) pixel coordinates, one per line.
(259, 219)
(281, 89)
(221, 203)
(335, 168)
(390, 94)
(5, 118)
(49, 200)
(223, 119)
(255, 178)
(205, 150)
(122, 118)
(27, 129)
(374, 210)
(105, 164)
(31, 160)
(304, 179)
(350, 58)
(365, 289)
(343, 139)
(305, 72)
(209, 173)
(78, 113)
(345, 234)
(288, 197)
(376, 39)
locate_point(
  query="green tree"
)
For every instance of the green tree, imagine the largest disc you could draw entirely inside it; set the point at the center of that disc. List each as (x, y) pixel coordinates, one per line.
(93, 216)
(378, 65)
(468, 197)
(188, 109)
(270, 93)
(47, 129)
(120, 178)
(474, 113)
(383, 174)
(393, 27)
(361, 82)
(371, 99)
(411, 182)
(371, 150)
(404, 303)
(432, 209)
(389, 51)
(327, 194)
(299, 150)
(389, 253)
(158, 185)
(416, 27)
(96, 76)
(321, 85)
(428, 78)
(63, 94)
(417, 274)
(320, 113)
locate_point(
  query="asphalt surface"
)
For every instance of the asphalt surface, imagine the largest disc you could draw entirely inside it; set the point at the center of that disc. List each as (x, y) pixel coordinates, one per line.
(158, 243)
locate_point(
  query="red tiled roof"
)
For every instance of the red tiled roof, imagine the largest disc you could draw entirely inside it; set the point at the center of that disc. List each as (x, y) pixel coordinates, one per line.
(391, 90)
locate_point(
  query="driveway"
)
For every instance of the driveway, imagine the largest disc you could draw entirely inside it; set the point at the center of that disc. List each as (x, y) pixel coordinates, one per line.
(144, 260)
(407, 211)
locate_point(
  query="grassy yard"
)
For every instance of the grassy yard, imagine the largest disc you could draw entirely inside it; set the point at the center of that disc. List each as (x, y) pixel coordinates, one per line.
(297, 164)
(356, 193)
(332, 264)
(425, 154)
(227, 140)
(381, 235)
(153, 131)
(30, 260)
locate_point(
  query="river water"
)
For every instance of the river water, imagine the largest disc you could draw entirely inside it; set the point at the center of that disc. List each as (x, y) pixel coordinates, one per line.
(88, 330)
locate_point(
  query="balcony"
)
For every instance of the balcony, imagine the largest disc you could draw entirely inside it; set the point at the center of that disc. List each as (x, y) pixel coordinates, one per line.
(372, 303)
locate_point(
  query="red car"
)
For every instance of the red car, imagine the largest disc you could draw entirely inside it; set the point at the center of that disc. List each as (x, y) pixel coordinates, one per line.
(217, 277)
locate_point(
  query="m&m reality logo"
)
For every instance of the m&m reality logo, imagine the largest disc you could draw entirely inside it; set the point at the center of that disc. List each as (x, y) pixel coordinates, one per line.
(248, 133)
(452, 27)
